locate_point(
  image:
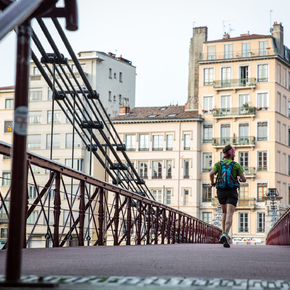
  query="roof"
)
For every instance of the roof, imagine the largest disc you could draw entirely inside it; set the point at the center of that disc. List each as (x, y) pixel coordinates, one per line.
(243, 37)
(165, 113)
(7, 88)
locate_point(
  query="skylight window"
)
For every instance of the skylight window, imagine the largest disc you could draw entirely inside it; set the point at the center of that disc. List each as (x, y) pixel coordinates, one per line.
(162, 109)
(171, 115)
(152, 116)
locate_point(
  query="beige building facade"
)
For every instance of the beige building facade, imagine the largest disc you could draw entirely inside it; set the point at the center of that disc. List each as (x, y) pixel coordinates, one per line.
(244, 98)
(163, 146)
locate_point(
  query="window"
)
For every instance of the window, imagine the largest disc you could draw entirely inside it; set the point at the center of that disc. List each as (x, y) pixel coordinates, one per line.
(130, 142)
(244, 194)
(143, 169)
(110, 73)
(55, 139)
(262, 73)
(157, 143)
(143, 142)
(206, 193)
(246, 49)
(262, 189)
(4, 233)
(33, 217)
(33, 141)
(110, 96)
(207, 217)
(207, 104)
(207, 162)
(289, 81)
(78, 164)
(69, 141)
(225, 134)
(210, 52)
(8, 126)
(260, 222)
(207, 133)
(156, 169)
(115, 75)
(278, 131)
(9, 104)
(6, 178)
(244, 74)
(35, 95)
(56, 117)
(32, 192)
(244, 133)
(226, 103)
(120, 77)
(186, 197)
(120, 99)
(228, 51)
(262, 100)
(279, 102)
(34, 117)
(186, 141)
(36, 71)
(168, 196)
(208, 76)
(49, 216)
(243, 222)
(262, 131)
(186, 169)
(243, 99)
(262, 161)
(263, 48)
(171, 115)
(157, 194)
(226, 76)
(168, 169)
(279, 74)
(244, 159)
(169, 142)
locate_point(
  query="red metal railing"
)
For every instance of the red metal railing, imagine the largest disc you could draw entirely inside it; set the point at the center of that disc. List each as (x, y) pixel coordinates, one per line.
(280, 232)
(109, 216)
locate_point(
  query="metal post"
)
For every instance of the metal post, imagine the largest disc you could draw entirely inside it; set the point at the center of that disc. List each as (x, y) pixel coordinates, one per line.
(19, 165)
(57, 203)
(101, 216)
(128, 241)
(116, 219)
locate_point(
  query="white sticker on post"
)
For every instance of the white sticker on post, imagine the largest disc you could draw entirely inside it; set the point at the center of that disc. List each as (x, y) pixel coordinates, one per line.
(20, 120)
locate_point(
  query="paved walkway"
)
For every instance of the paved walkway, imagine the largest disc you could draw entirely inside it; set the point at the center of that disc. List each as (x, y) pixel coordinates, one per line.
(240, 267)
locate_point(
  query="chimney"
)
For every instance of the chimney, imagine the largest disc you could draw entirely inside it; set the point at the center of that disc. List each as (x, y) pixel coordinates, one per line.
(124, 110)
(186, 107)
(226, 36)
(278, 35)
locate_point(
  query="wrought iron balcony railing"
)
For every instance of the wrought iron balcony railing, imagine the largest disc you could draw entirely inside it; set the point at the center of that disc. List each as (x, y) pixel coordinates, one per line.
(236, 111)
(243, 230)
(249, 170)
(236, 141)
(235, 83)
(207, 169)
(246, 202)
(237, 54)
(206, 199)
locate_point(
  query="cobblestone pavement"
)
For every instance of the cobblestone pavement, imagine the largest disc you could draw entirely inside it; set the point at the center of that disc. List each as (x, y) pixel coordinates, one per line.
(150, 283)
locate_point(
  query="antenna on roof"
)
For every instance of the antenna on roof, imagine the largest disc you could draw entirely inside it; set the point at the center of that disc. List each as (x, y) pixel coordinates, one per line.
(270, 21)
(229, 27)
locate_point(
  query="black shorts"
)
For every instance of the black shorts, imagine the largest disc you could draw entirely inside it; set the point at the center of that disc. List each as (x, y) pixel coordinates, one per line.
(228, 196)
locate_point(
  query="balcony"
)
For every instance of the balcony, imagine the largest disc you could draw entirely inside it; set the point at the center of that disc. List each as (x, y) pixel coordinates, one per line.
(157, 149)
(246, 203)
(206, 169)
(245, 141)
(157, 177)
(253, 53)
(243, 203)
(234, 84)
(250, 172)
(206, 199)
(236, 112)
(3, 218)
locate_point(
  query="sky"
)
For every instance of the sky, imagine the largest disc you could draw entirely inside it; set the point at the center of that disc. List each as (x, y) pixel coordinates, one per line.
(155, 35)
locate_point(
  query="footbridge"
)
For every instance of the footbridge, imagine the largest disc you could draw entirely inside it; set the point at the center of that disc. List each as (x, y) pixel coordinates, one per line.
(83, 225)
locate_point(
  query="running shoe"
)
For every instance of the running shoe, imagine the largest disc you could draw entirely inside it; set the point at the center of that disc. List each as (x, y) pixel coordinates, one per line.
(227, 242)
(223, 238)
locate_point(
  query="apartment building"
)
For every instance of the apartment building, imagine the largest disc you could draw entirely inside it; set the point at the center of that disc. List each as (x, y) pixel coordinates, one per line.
(243, 95)
(113, 78)
(164, 146)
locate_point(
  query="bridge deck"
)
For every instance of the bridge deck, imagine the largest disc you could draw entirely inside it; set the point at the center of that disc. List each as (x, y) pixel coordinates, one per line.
(183, 260)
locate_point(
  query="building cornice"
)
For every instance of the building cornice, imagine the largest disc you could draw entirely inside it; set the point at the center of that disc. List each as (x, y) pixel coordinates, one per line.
(139, 121)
